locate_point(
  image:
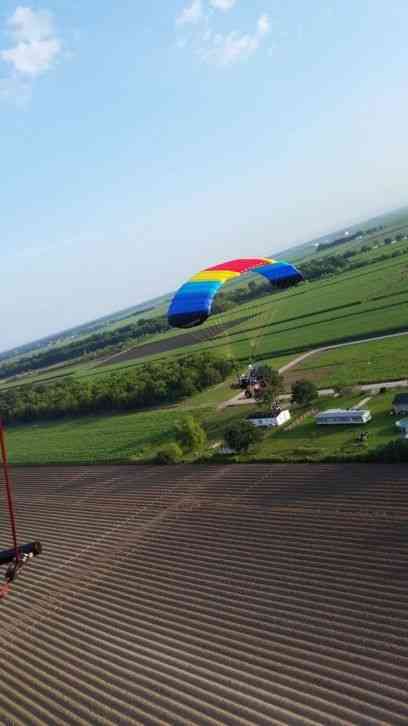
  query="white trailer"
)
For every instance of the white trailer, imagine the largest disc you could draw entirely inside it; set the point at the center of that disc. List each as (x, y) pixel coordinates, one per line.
(339, 416)
(267, 420)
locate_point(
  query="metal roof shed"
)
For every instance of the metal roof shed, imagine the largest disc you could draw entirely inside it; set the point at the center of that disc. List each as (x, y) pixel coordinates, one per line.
(339, 416)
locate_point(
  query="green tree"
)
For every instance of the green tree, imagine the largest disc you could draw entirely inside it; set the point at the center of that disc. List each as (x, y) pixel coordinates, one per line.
(270, 396)
(241, 435)
(304, 392)
(169, 454)
(275, 383)
(264, 371)
(153, 384)
(190, 435)
(394, 451)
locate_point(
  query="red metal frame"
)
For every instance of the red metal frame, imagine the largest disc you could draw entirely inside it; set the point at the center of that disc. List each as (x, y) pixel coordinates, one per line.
(8, 488)
(4, 590)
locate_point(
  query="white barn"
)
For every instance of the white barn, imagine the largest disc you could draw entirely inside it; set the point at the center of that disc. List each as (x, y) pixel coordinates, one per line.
(338, 416)
(267, 419)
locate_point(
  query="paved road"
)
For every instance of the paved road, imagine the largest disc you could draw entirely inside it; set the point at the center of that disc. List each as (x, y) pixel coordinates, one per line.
(239, 399)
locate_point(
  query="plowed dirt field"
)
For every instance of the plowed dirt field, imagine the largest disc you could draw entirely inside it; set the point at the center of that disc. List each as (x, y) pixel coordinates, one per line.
(209, 595)
(158, 347)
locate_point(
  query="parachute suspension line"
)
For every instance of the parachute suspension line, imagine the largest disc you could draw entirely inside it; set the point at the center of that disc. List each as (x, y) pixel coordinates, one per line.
(221, 331)
(214, 329)
(8, 489)
(263, 319)
(257, 320)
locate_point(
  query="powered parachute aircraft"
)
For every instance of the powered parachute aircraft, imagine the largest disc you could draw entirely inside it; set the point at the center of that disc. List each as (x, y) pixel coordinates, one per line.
(192, 304)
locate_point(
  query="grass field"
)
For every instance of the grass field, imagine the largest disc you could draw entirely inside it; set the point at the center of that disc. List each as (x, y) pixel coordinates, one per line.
(363, 363)
(308, 441)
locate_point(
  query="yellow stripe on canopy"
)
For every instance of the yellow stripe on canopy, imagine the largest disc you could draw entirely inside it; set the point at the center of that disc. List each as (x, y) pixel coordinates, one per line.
(214, 276)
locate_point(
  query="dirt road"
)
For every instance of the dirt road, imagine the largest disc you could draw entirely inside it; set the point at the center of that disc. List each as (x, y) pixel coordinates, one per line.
(239, 399)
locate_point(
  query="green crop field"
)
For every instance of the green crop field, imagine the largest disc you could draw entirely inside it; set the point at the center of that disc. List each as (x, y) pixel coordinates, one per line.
(91, 439)
(137, 436)
(111, 438)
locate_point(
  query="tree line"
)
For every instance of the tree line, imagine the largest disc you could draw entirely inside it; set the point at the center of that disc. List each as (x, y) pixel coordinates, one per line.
(149, 385)
(108, 340)
(349, 237)
(324, 266)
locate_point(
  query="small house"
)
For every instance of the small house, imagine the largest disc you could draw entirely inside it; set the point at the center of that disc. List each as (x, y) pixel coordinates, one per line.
(224, 449)
(400, 404)
(267, 419)
(338, 416)
(403, 427)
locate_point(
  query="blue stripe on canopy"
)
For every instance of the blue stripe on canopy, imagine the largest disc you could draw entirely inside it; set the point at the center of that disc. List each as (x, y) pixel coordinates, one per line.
(191, 303)
(278, 271)
(199, 288)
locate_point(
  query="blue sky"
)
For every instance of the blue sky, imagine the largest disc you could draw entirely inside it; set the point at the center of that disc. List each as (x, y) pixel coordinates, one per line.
(143, 141)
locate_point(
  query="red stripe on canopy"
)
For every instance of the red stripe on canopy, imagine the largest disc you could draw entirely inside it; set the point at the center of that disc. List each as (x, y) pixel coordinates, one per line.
(242, 265)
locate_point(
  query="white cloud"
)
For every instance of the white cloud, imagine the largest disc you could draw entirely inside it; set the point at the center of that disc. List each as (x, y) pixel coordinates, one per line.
(36, 44)
(191, 14)
(224, 5)
(225, 50)
(263, 25)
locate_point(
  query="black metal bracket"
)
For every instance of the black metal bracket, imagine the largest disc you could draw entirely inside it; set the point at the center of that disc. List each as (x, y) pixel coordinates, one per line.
(33, 549)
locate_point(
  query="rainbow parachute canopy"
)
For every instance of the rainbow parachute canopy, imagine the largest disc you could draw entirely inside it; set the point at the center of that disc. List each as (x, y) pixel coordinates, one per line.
(192, 303)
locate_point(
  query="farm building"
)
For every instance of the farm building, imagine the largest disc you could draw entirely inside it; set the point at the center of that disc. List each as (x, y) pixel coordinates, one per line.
(403, 427)
(400, 403)
(340, 416)
(276, 417)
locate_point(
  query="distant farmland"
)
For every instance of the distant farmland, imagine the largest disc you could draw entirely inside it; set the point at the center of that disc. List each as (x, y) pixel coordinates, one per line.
(209, 595)
(351, 305)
